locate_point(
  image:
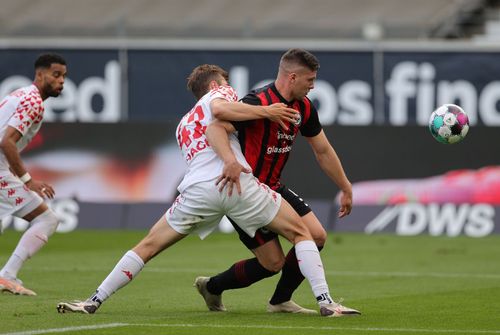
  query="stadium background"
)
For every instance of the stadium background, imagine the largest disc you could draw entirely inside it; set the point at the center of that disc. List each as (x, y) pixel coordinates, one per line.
(109, 147)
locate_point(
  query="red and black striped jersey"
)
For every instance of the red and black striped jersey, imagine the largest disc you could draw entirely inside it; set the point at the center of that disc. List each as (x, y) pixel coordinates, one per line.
(265, 144)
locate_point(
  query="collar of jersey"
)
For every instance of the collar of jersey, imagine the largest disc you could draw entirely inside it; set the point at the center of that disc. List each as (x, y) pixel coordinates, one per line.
(283, 100)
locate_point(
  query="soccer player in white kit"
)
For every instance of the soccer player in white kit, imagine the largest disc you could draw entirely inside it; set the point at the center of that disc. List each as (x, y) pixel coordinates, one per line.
(21, 116)
(201, 204)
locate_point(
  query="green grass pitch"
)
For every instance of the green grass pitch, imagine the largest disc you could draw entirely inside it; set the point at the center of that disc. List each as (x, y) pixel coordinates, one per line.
(402, 285)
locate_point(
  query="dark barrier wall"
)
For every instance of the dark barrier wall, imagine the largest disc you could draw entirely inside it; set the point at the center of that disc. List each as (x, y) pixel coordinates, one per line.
(353, 87)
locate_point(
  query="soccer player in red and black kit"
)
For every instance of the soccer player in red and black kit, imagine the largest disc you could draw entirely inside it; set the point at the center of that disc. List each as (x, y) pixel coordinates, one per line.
(266, 146)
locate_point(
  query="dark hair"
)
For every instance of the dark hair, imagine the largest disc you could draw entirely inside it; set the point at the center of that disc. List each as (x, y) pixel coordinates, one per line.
(301, 57)
(46, 60)
(202, 75)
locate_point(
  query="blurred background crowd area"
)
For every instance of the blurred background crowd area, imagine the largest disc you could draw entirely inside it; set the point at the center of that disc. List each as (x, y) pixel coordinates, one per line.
(325, 19)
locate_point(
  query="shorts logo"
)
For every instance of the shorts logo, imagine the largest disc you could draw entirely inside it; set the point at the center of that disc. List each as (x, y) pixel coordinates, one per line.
(19, 201)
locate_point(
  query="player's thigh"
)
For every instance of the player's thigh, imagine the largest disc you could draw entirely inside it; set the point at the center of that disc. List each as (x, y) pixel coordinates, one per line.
(298, 204)
(288, 224)
(160, 237)
(36, 212)
(307, 216)
(255, 208)
(198, 209)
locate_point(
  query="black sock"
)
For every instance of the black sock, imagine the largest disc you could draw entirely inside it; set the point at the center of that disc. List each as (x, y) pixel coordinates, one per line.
(242, 274)
(290, 279)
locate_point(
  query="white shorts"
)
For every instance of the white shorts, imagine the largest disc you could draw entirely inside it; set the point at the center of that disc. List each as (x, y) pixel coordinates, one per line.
(201, 206)
(16, 198)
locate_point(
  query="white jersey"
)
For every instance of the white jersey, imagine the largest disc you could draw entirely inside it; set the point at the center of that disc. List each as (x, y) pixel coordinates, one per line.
(22, 110)
(203, 162)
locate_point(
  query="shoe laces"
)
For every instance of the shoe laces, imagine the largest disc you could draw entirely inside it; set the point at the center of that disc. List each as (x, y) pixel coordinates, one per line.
(339, 302)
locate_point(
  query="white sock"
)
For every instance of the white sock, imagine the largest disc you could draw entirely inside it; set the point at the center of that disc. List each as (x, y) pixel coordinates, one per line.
(11, 268)
(127, 268)
(311, 266)
(32, 240)
(27, 246)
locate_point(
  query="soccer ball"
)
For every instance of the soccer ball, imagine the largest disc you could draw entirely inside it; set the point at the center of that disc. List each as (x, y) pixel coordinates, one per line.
(449, 124)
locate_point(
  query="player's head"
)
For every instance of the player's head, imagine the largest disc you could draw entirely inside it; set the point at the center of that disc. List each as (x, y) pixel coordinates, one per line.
(298, 68)
(205, 78)
(50, 72)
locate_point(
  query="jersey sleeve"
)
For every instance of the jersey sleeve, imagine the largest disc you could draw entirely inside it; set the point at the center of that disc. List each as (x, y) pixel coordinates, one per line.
(250, 99)
(311, 127)
(28, 112)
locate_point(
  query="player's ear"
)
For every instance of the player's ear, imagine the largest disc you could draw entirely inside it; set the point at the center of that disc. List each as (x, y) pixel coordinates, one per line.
(38, 73)
(213, 85)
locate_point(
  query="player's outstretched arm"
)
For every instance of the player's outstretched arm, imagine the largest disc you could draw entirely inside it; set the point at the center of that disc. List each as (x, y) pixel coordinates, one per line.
(217, 136)
(238, 111)
(330, 164)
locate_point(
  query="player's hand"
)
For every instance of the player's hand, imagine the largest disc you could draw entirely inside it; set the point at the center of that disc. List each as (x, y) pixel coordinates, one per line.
(230, 177)
(279, 112)
(345, 204)
(43, 189)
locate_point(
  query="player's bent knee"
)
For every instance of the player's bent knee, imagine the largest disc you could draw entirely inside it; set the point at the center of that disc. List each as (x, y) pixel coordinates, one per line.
(270, 255)
(295, 232)
(273, 264)
(320, 238)
(301, 233)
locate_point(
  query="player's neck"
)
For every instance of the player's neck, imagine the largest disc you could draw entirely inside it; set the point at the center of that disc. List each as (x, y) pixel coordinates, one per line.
(39, 87)
(283, 90)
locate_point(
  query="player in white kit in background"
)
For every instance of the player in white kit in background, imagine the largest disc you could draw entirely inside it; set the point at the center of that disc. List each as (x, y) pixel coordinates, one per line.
(201, 205)
(21, 116)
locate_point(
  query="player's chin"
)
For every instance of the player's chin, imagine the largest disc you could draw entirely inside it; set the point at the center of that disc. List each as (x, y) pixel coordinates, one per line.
(56, 92)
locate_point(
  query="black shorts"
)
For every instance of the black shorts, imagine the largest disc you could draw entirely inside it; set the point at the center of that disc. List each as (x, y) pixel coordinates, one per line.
(264, 235)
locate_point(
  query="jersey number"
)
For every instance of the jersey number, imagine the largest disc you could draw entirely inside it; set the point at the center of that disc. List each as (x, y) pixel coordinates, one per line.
(186, 137)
